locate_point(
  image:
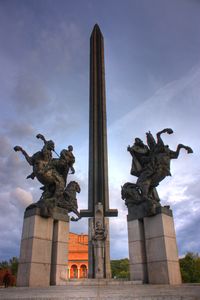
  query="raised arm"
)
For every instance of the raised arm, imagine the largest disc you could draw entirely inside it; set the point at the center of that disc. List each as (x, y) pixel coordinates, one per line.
(40, 136)
(27, 157)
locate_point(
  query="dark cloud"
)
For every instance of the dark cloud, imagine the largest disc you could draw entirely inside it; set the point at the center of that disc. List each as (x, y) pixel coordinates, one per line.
(187, 215)
(16, 194)
(188, 236)
(4, 146)
(21, 198)
(40, 36)
(30, 95)
(11, 225)
(17, 130)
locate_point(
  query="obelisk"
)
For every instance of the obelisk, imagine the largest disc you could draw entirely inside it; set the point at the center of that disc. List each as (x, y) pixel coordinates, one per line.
(98, 198)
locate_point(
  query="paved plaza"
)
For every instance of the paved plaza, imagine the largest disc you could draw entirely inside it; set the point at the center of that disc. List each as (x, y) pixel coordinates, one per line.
(105, 291)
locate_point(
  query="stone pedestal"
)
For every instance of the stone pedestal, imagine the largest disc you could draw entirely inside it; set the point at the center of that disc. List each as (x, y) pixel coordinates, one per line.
(42, 252)
(153, 249)
(137, 251)
(59, 271)
(161, 250)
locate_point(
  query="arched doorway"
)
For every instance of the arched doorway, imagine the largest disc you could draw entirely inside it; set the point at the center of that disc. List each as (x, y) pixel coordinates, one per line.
(83, 271)
(74, 271)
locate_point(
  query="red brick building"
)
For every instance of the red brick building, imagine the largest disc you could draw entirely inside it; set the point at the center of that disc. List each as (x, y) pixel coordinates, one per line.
(78, 255)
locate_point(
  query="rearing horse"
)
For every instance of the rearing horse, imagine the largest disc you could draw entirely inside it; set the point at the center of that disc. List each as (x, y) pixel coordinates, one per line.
(159, 165)
(51, 172)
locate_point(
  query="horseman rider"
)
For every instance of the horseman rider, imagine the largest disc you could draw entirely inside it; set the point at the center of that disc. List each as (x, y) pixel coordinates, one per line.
(60, 168)
(46, 153)
(68, 156)
(140, 156)
(154, 162)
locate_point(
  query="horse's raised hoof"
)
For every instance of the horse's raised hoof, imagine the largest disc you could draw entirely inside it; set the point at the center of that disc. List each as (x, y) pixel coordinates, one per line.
(189, 150)
(17, 148)
(169, 130)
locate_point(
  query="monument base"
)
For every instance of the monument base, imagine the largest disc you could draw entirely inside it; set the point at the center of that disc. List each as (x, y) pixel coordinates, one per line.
(112, 290)
(44, 249)
(153, 249)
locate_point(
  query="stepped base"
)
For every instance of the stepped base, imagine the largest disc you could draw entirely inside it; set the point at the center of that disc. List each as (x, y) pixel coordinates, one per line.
(110, 290)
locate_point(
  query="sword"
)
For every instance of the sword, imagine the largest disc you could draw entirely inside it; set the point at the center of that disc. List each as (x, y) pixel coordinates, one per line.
(56, 153)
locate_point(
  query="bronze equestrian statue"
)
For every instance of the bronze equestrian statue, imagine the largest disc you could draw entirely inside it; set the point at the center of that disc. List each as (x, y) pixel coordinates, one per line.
(151, 164)
(52, 173)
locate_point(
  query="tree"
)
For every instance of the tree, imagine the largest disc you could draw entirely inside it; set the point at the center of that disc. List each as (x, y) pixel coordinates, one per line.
(11, 266)
(190, 267)
(14, 265)
(120, 268)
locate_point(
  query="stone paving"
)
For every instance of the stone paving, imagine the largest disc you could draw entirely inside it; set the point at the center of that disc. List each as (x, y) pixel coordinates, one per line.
(105, 291)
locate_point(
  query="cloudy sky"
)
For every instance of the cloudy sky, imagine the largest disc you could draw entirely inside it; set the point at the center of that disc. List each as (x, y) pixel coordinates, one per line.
(152, 56)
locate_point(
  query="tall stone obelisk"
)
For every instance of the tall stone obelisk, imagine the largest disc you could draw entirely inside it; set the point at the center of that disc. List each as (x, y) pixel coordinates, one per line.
(98, 198)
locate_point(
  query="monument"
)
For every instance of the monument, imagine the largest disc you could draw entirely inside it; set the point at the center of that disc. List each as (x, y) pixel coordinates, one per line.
(152, 240)
(98, 199)
(44, 243)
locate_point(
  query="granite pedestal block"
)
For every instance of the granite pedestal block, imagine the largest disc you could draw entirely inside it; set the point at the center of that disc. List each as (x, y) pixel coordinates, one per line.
(59, 272)
(137, 252)
(153, 250)
(44, 248)
(161, 250)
